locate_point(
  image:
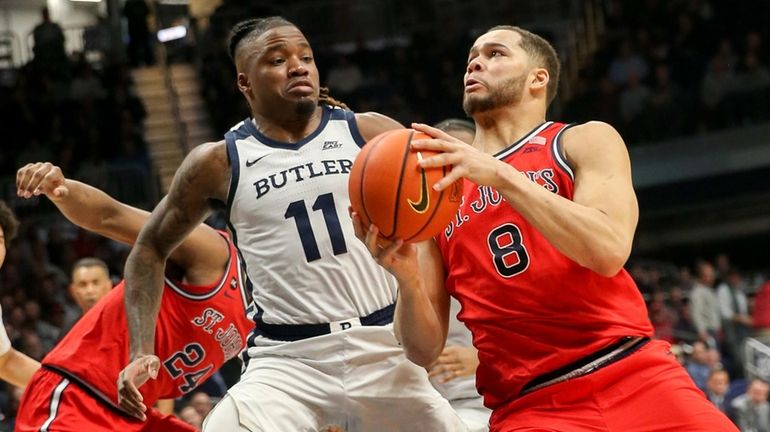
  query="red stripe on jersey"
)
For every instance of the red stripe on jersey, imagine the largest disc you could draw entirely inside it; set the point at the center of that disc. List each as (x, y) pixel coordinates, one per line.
(193, 338)
(531, 309)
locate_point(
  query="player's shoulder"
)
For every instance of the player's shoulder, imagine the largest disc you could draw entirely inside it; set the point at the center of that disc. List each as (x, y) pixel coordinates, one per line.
(590, 130)
(209, 156)
(371, 124)
(590, 138)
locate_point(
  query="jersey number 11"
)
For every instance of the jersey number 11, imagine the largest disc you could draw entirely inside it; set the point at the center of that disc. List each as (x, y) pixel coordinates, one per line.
(325, 203)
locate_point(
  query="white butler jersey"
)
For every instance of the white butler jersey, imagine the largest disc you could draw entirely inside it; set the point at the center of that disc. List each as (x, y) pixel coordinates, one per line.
(288, 213)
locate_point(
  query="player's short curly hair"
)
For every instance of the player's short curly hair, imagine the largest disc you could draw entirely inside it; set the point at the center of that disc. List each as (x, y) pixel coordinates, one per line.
(8, 222)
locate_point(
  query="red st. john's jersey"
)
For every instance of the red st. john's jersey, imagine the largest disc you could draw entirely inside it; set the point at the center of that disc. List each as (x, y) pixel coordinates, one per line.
(197, 330)
(531, 309)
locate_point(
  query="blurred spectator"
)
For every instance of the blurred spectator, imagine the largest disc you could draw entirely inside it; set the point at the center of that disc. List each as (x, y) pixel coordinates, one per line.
(664, 318)
(665, 104)
(202, 404)
(628, 63)
(716, 389)
(717, 85)
(698, 364)
(139, 43)
(760, 317)
(633, 103)
(190, 416)
(752, 410)
(49, 334)
(90, 282)
(49, 52)
(705, 306)
(344, 78)
(736, 321)
(85, 85)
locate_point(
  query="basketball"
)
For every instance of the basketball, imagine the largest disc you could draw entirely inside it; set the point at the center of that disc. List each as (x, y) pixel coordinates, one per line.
(389, 189)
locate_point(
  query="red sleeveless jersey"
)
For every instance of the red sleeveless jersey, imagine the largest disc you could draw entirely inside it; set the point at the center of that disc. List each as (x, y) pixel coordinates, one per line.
(531, 309)
(197, 330)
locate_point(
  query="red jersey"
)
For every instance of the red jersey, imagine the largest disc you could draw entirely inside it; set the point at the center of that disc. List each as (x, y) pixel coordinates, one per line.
(531, 309)
(197, 330)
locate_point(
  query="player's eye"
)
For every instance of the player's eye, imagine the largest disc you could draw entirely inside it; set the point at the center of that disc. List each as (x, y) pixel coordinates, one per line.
(495, 53)
(307, 59)
(277, 61)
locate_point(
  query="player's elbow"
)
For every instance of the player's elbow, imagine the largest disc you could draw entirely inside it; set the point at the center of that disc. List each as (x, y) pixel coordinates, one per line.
(609, 262)
(422, 357)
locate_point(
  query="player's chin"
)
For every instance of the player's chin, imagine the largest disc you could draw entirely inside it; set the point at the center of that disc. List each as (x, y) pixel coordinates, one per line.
(305, 106)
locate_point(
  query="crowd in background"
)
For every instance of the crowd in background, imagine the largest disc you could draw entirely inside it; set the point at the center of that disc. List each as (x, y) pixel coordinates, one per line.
(665, 69)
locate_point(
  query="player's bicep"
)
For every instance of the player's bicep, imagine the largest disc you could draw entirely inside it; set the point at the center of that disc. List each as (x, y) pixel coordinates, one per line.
(603, 174)
(203, 176)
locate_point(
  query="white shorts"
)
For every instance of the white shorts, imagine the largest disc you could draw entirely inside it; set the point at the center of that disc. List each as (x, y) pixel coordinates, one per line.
(358, 379)
(466, 401)
(473, 413)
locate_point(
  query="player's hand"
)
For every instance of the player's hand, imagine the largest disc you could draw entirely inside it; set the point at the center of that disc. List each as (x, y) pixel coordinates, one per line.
(397, 257)
(467, 161)
(131, 378)
(38, 178)
(454, 362)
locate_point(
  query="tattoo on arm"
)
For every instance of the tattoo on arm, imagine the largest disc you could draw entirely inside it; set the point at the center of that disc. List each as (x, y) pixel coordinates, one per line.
(172, 220)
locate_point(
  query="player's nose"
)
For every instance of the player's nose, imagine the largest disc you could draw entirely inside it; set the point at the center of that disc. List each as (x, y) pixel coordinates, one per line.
(296, 67)
(474, 65)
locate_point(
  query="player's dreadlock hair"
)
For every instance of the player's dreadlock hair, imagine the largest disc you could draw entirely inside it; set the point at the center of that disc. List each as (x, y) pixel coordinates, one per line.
(252, 29)
(8, 222)
(543, 54)
(325, 99)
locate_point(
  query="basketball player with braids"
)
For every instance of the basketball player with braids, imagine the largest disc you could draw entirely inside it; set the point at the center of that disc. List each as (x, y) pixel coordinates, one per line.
(323, 350)
(15, 367)
(535, 257)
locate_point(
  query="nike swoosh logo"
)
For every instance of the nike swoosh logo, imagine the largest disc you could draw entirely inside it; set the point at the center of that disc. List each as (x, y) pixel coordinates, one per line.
(422, 204)
(249, 163)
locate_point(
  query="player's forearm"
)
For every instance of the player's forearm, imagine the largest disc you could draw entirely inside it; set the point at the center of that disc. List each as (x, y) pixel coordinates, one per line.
(417, 326)
(87, 206)
(584, 234)
(143, 291)
(17, 368)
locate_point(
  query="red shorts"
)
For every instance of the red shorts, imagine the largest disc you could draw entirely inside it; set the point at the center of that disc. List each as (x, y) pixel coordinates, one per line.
(646, 391)
(56, 404)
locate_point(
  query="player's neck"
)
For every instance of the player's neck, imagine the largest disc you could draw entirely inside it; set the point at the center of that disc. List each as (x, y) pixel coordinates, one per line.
(498, 129)
(290, 130)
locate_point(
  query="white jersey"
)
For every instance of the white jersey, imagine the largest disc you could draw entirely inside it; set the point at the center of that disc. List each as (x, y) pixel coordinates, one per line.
(5, 343)
(288, 213)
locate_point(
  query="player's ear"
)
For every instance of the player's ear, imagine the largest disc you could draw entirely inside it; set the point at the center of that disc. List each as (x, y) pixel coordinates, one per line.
(243, 82)
(539, 79)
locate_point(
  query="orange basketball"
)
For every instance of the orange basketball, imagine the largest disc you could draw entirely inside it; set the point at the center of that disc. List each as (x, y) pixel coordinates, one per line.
(389, 189)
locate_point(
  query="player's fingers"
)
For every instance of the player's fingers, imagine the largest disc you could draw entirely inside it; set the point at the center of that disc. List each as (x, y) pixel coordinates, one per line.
(432, 131)
(38, 175)
(25, 177)
(50, 181)
(371, 240)
(130, 400)
(437, 370)
(447, 180)
(358, 227)
(391, 249)
(21, 174)
(153, 365)
(435, 144)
